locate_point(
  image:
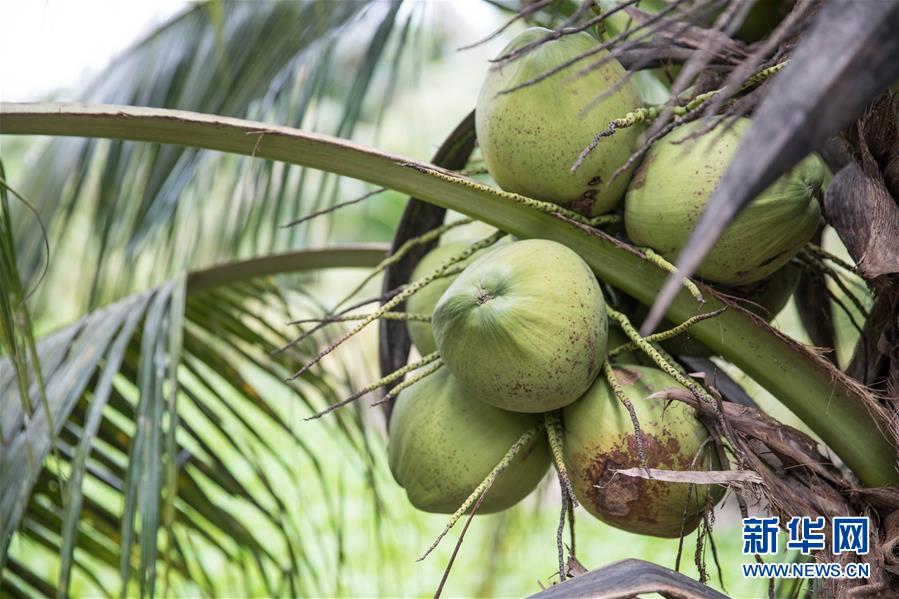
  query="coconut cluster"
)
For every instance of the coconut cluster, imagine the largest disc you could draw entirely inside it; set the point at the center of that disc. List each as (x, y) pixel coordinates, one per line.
(522, 330)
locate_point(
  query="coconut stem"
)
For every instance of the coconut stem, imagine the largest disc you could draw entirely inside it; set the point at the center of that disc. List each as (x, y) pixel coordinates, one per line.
(653, 258)
(619, 393)
(545, 207)
(629, 120)
(666, 365)
(400, 253)
(402, 296)
(664, 361)
(822, 253)
(571, 549)
(648, 113)
(407, 316)
(390, 378)
(665, 335)
(409, 382)
(656, 356)
(670, 359)
(560, 531)
(485, 485)
(554, 434)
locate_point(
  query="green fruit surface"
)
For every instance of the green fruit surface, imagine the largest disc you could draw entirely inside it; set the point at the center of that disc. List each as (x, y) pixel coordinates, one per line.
(599, 439)
(424, 300)
(671, 188)
(444, 442)
(530, 138)
(524, 327)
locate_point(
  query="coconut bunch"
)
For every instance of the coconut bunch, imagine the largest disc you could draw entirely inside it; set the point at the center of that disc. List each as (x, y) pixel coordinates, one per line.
(530, 372)
(526, 359)
(522, 331)
(537, 115)
(523, 336)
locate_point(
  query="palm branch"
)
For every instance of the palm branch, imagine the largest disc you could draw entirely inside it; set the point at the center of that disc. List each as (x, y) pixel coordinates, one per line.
(152, 398)
(271, 60)
(275, 61)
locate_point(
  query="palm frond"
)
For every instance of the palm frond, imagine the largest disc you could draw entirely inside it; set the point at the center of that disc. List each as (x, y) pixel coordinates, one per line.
(169, 436)
(779, 368)
(628, 578)
(285, 62)
(16, 334)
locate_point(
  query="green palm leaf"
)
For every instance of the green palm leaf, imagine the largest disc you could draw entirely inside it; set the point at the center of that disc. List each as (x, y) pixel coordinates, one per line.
(16, 334)
(140, 392)
(282, 61)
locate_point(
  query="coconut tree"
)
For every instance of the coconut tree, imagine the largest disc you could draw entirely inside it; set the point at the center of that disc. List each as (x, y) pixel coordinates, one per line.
(157, 433)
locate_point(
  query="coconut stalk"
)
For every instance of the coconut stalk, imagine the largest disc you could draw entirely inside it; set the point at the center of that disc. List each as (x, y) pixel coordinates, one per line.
(838, 409)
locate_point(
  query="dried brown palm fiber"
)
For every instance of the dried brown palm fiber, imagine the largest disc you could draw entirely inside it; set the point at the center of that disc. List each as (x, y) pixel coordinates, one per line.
(761, 54)
(567, 31)
(862, 207)
(689, 35)
(875, 360)
(889, 548)
(816, 487)
(674, 32)
(874, 140)
(866, 217)
(729, 19)
(527, 10)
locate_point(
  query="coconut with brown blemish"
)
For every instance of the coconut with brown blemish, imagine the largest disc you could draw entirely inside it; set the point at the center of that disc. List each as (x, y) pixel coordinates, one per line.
(599, 439)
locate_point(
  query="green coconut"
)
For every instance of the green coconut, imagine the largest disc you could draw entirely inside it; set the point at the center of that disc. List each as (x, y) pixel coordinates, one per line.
(524, 327)
(599, 439)
(444, 442)
(424, 300)
(531, 137)
(671, 188)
